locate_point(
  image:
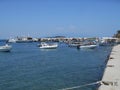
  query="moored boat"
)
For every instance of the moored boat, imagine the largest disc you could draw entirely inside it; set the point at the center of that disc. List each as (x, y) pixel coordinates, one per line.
(44, 45)
(12, 40)
(20, 40)
(74, 44)
(5, 48)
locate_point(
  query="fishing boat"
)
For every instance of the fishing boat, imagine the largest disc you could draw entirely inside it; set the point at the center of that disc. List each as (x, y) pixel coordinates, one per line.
(44, 45)
(5, 48)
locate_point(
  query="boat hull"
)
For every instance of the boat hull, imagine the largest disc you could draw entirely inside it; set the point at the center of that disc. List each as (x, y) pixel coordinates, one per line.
(88, 47)
(5, 48)
(49, 47)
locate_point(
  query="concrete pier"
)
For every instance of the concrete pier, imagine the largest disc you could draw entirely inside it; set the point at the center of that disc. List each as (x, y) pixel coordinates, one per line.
(111, 76)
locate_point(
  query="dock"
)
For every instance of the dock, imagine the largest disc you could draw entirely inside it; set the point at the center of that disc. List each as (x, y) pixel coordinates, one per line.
(111, 76)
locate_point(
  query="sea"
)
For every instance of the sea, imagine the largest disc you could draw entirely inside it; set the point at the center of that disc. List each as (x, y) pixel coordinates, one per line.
(27, 67)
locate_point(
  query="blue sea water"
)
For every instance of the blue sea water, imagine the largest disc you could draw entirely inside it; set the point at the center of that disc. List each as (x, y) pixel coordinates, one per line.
(27, 67)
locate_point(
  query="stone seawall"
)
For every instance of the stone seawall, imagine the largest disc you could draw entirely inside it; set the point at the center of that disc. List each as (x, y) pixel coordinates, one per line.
(111, 76)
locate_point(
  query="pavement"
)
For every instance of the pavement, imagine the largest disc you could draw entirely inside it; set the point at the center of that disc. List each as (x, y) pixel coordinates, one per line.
(111, 76)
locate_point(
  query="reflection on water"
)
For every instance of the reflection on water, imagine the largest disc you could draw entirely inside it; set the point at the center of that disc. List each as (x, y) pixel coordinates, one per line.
(48, 49)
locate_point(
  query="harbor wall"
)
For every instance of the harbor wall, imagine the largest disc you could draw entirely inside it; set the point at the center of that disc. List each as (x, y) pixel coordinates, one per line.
(111, 76)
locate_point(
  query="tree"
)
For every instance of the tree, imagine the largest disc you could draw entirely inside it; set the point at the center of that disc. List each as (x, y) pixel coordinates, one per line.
(118, 32)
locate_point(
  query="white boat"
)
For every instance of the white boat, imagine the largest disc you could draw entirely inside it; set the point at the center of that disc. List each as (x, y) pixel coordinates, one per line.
(87, 46)
(12, 40)
(20, 40)
(44, 45)
(5, 48)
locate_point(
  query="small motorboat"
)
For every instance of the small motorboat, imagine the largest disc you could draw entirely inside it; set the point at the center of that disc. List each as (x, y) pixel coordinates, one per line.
(5, 48)
(44, 45)
(74, 44)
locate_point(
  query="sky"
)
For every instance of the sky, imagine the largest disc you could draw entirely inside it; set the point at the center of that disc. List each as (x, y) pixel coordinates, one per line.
(70, 18)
